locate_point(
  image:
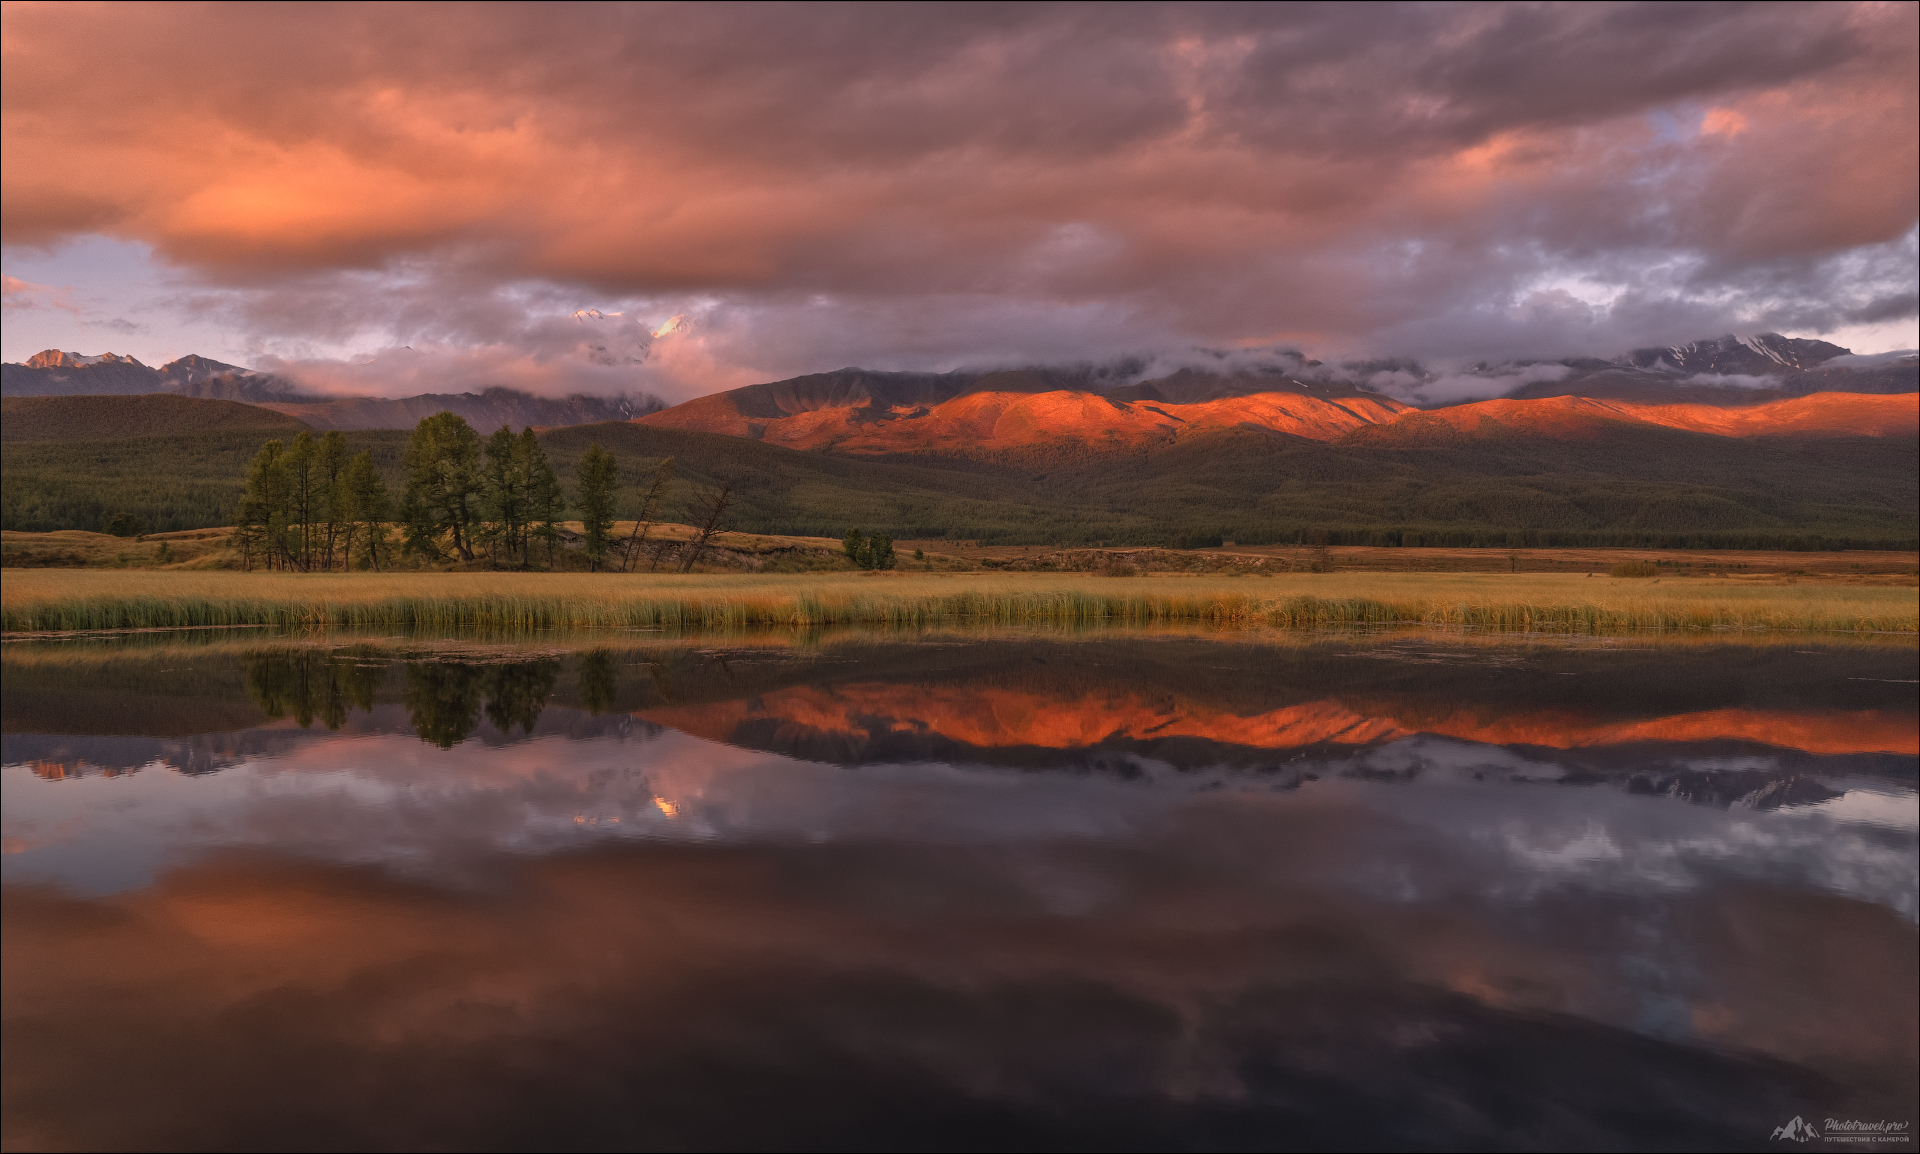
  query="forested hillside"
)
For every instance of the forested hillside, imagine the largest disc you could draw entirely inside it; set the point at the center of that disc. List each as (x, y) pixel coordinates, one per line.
(152, 414)
(1632, 487)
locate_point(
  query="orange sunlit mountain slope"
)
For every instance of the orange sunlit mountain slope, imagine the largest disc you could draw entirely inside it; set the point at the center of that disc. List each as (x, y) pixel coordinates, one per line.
(1819, 415)
(986, 421)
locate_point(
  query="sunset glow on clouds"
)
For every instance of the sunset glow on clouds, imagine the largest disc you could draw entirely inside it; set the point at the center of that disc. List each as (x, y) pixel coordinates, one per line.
(927, 186)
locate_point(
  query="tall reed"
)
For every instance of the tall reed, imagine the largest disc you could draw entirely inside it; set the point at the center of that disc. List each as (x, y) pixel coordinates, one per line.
(518, 603)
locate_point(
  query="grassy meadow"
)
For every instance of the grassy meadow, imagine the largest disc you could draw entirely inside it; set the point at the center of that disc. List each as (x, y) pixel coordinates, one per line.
(67, 599)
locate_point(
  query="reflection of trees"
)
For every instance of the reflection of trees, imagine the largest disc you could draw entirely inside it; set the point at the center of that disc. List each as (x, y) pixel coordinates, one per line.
(444, 700)
(307, 684)
(598, 681)
(516, 693)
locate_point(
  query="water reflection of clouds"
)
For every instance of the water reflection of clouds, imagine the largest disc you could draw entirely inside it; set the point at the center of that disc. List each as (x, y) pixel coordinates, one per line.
(670, 914)
(1206, 968)
(1490, 820)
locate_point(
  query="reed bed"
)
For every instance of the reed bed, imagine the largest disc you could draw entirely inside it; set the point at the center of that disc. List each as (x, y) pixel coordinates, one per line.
(79, 600)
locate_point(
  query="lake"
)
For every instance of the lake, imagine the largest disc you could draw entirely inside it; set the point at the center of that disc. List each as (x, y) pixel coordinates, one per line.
(991, 890)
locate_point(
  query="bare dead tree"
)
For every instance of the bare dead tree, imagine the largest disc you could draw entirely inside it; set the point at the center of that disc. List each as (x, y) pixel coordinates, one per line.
(661, 548)
(636, 540)
(721, 502)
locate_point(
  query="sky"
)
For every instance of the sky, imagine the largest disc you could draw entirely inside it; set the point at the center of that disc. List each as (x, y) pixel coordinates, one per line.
(678, 199)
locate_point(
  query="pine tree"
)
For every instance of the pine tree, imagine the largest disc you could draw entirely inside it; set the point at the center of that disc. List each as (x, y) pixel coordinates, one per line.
(599, 479)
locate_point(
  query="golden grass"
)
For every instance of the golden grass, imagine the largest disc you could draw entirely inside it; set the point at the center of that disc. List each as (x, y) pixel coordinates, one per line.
(40, 599)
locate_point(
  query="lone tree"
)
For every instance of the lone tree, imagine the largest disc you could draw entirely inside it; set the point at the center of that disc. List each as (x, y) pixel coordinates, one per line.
(643, 524)
(599, 480)
(443, 486)
(722, 501)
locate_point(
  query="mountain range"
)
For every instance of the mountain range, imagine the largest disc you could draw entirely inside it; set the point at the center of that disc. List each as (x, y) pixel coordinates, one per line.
(56, 373)
(1735, 386)
(1681, 445)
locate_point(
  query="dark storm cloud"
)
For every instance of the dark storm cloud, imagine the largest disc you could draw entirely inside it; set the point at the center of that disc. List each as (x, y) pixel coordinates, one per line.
(932, 184)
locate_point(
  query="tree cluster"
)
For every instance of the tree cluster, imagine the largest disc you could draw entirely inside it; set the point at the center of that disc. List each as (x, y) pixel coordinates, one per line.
(875, 552)
(309, 505)
(464, 498)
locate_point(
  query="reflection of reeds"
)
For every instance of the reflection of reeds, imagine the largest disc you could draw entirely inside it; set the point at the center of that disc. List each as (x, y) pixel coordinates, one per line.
(1538, 603)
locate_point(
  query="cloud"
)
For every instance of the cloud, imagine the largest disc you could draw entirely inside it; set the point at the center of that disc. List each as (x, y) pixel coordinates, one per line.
(1452, 386)
(1733, 381)
(1863, 361)
(921, 187)
(25, 295)
(593, 352)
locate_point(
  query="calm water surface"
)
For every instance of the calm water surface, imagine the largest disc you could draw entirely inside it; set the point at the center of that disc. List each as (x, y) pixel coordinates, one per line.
(1116, 892)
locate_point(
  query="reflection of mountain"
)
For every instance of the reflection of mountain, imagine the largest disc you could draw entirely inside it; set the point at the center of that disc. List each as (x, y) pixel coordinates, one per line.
(1565, 712)
(57, 756)
(863, 722)
(1556, 714)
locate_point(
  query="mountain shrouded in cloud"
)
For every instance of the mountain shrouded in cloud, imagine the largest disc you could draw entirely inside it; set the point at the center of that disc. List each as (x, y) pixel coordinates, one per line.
(932, 187)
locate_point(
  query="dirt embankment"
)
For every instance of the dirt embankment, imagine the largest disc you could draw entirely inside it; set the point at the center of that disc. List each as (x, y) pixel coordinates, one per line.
(663, 550)
(666, 545)
(1853, 566)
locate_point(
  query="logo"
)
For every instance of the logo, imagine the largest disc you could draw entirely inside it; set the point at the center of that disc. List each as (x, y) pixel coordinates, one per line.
(1798, 1130)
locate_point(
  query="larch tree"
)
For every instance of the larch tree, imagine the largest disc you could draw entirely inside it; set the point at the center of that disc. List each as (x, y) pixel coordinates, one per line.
(368, 506)
(507, 486)
(444, 484)
(546, 501)
(262, 506)
(599, 481)
(332, 461)
(303, 495)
